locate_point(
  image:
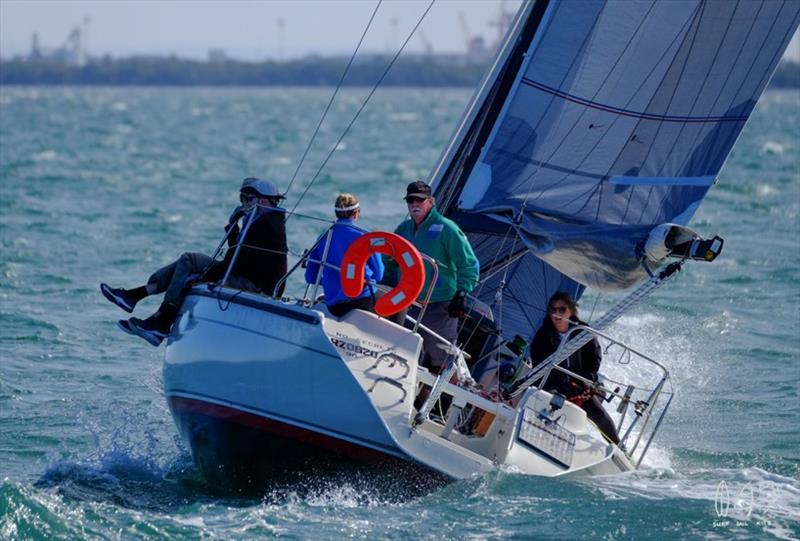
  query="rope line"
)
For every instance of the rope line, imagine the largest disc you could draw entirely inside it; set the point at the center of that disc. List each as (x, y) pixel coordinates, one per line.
(333, 97)
(361, 109)
(584, 337)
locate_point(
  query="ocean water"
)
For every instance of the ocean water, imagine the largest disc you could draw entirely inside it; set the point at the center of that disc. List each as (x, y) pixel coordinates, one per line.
(106, 184)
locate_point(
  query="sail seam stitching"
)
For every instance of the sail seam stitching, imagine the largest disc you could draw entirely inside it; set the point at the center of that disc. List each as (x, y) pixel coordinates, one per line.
(628, 112)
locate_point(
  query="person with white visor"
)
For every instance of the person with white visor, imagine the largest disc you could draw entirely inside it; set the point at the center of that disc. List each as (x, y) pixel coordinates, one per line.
(347, 209)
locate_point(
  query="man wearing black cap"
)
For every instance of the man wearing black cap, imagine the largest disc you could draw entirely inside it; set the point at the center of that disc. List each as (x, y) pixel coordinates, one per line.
(260, 263)
(440, 238)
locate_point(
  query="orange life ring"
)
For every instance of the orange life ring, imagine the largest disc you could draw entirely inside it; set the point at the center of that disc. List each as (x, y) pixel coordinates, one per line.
(412, 270)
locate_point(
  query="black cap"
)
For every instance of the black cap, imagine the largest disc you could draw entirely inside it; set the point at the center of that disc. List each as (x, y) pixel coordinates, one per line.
(418, 190)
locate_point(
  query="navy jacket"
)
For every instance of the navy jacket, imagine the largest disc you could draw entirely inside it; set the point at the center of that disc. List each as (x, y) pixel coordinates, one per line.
(584, 362)
(262, 258)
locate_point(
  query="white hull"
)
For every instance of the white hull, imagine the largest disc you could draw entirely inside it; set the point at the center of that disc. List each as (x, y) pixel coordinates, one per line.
(300, 380)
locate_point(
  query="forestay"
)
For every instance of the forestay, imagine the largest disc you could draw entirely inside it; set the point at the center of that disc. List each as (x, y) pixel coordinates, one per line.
(599, 121)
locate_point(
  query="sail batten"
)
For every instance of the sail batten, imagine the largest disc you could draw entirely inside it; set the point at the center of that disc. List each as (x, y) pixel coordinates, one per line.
(606, 120)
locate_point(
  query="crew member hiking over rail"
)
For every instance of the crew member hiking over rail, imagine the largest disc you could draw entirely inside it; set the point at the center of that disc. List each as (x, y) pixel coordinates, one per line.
(256, 227)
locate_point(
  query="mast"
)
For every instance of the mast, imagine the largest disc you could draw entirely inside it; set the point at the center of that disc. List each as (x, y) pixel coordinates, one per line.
(598, 124)
(458, 158)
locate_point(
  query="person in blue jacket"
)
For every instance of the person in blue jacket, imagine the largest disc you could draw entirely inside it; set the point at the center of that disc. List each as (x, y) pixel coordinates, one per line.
(344, 232)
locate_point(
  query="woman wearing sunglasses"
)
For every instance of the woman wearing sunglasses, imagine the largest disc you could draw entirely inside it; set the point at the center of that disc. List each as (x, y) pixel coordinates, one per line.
(562, 314)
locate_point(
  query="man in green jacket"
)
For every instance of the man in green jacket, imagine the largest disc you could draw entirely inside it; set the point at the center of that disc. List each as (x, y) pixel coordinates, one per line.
(440, 238)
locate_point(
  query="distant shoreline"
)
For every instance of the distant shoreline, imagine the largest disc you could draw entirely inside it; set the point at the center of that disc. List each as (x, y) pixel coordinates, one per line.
(417, 71)
(423, 71)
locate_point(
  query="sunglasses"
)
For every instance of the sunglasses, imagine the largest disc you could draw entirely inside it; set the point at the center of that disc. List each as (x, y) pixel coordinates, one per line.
(410, 200)
(558, 309)
(246, 198)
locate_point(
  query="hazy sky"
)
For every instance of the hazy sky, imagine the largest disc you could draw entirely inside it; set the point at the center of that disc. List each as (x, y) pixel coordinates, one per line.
(244, 29)
(248, 29)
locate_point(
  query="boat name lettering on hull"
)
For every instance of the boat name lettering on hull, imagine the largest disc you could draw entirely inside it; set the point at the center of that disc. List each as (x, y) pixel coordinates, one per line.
(353, 349)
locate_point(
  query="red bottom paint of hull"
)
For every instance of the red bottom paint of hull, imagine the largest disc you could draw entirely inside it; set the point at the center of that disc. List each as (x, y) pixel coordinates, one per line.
(245, 452)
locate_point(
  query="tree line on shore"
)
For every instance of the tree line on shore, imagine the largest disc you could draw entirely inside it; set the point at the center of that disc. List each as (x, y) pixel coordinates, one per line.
(315, 71)
(312, 71)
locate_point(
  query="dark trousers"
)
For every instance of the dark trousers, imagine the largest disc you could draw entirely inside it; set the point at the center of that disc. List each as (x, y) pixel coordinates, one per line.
(172, 278)
(437, 318)
(598, 415)
(363, 303)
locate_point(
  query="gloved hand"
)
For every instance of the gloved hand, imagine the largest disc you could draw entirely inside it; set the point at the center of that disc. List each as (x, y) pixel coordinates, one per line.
(232, 227)
(457, 306)
(237, 213)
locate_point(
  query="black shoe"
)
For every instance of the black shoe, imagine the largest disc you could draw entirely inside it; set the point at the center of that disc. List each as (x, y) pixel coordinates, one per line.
(125, 326)
(143, 329)
(120, 297)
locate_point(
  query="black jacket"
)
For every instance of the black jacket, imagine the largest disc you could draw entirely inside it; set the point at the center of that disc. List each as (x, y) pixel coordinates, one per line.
(262, 258)
(584, 362)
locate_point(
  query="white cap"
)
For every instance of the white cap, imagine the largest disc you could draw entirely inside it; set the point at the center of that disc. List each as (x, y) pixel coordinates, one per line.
(264, 188)
(347, 209)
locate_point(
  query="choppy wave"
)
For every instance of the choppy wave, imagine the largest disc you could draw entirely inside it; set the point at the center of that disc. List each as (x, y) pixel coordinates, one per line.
(107, 184)
(654, 503)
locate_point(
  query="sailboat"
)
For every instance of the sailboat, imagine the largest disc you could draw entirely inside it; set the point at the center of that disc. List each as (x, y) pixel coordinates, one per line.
(586, 150)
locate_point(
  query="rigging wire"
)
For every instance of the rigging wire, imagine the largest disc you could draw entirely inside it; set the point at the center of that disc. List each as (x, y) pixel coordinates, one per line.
(333, 97)
(591, 315)
(514, 224)
(527, 184)
(363, 105)
(498, 301)
(583, 337)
